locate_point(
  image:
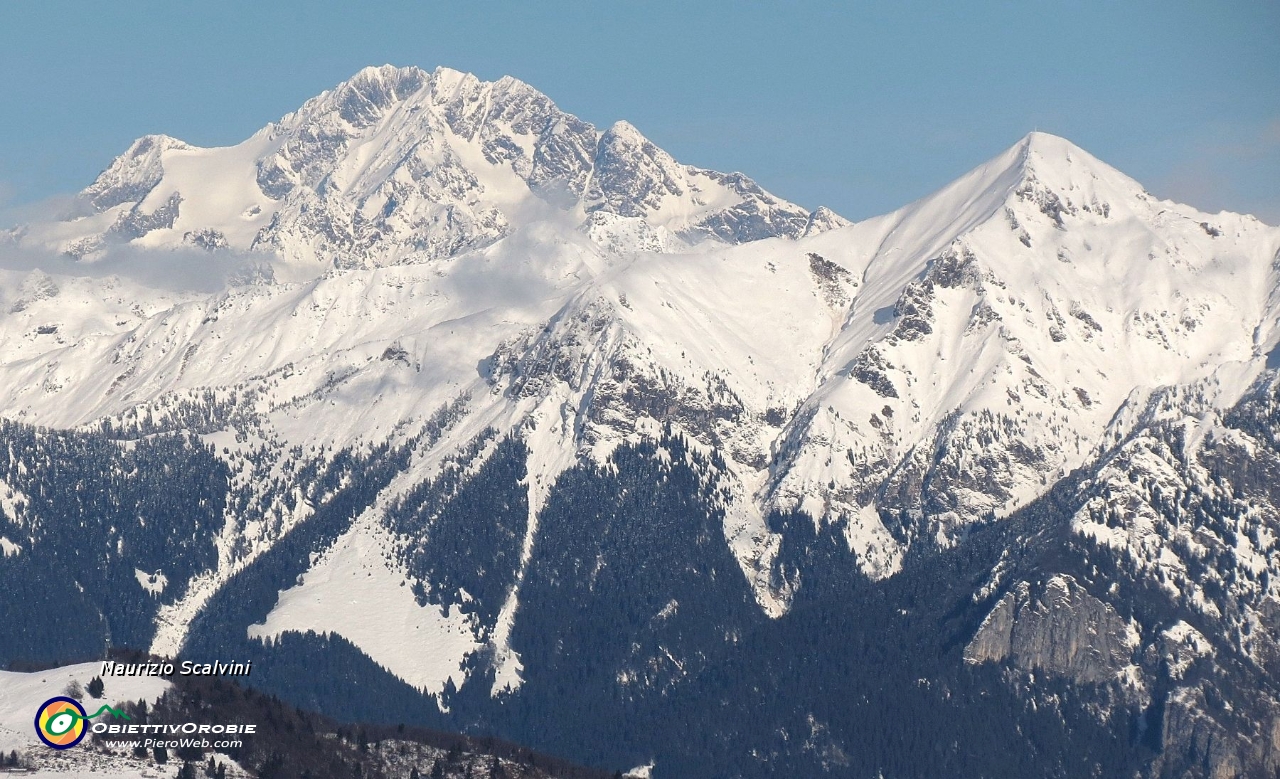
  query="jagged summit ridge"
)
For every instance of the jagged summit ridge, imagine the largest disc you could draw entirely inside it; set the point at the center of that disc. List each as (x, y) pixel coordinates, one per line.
(404, 165)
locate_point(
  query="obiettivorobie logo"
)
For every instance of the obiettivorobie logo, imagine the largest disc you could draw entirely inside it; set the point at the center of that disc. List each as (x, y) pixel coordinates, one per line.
(62, 722)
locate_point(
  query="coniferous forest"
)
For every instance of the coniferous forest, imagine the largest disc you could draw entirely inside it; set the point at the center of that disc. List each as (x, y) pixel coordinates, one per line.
(639, 637)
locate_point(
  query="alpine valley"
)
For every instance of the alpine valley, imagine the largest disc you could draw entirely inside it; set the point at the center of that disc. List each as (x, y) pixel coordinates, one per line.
(497, 422)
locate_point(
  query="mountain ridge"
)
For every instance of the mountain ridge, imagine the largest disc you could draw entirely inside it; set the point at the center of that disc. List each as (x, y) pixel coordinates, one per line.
(400, 163)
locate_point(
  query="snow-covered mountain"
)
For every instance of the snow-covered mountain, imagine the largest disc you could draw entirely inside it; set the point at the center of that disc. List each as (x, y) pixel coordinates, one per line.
(1003, 322)
(458, 291)
(401, 165)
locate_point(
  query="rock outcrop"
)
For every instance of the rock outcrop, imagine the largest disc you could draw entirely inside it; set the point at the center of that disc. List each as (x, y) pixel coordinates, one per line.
(1061, 629)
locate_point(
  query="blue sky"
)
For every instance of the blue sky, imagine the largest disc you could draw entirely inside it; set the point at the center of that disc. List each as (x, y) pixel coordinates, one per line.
(858, 106)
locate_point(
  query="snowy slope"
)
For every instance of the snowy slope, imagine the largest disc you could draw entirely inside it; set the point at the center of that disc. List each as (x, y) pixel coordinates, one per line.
(356, 592)
(22, 693)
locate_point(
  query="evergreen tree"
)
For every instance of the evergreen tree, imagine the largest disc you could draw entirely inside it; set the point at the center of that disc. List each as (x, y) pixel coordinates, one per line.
(96, 687)
(273, 768)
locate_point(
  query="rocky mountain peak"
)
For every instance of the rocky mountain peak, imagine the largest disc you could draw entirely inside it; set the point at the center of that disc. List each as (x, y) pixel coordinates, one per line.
(624, 132)
(1060, 179)
(399, 81)
(397, 164)
(824, 219)
(363, 99)
(1044, 155)
(133, 174)
(632, 175)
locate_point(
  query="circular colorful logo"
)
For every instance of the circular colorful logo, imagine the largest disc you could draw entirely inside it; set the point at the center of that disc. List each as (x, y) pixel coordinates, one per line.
(61, 722)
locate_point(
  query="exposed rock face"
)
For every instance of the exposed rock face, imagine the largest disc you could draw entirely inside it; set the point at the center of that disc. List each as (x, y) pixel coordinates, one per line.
(135, 223)
(1198, 744)
(632, 175)
(133, 174)
(1062, 629)
(836, 283)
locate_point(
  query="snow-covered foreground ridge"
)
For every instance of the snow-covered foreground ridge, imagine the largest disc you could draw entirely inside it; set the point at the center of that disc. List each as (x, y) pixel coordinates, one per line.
(21, 695)
(423, 238)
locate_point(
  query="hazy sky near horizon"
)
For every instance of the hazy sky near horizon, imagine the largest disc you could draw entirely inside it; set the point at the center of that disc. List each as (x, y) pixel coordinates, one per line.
(862, 107)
